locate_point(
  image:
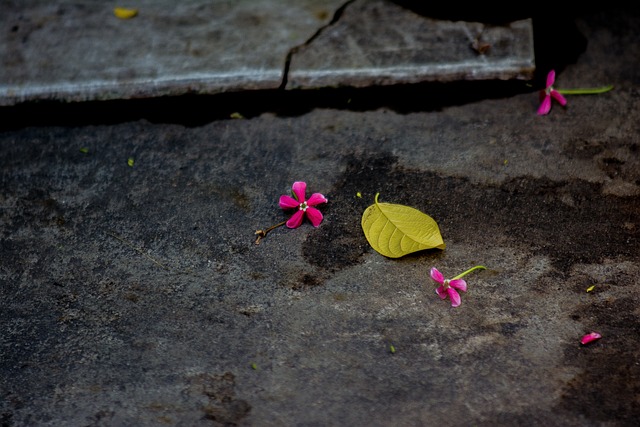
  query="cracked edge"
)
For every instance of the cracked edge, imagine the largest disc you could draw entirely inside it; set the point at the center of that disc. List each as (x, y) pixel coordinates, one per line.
(520, 65)
(287, 64)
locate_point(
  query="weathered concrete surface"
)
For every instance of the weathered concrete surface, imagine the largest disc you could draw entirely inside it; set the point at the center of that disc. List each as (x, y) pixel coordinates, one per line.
(136, 295)
(79, 51)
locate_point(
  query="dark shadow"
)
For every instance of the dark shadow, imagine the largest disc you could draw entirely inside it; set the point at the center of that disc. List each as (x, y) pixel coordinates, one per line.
(557, 43)
(198, 110)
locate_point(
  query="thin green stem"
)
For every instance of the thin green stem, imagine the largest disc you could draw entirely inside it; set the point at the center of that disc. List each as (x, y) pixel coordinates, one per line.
(461, 275)
(585, 91)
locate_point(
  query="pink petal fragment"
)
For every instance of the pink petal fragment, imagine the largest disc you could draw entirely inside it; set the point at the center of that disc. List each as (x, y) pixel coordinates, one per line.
(314, 215)
(316, 199)
(441, 292)
(458, 284)
(436, 275)
(455, 297)
(299, 190)
(545, 107)
(558, 97)
(590, 337)
(551, 78)
(288, 202)
(296, 219)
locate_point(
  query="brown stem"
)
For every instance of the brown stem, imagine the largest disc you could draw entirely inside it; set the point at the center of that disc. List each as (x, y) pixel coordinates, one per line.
(263, 233)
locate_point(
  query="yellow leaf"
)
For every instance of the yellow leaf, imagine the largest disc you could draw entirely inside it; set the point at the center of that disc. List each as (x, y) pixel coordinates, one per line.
(397, 230)
(124, 13)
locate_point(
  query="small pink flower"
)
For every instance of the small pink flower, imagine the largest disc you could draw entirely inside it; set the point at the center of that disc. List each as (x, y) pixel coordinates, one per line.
(590, 337)
(302, 205)
(448, 287)
(548, 93)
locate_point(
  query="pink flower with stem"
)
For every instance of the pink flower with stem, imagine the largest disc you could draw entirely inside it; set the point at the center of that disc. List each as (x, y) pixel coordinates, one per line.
(548, 93)
(450, 287)
(302, 206)
(557, 94)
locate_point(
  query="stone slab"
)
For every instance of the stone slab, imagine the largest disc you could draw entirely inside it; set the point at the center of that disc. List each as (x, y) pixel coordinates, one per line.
(379, 42)
(79, 51)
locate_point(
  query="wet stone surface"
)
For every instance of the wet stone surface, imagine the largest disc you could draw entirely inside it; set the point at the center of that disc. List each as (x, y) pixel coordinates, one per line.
(579, 220)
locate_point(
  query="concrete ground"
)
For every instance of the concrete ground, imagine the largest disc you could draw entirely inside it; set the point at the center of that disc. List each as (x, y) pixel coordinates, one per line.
(133, 293)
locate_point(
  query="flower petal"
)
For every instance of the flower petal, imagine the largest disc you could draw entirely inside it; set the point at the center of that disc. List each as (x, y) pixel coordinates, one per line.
(441, 292)
(545, 107)
(590, 338)
(458, 284)
(314, 215)
(551, 78)
(436, 275)
(288, 202)
(558, 97)
(542, 95)
(316, 199)
(296, 219)
(455, 297)
(299, 190)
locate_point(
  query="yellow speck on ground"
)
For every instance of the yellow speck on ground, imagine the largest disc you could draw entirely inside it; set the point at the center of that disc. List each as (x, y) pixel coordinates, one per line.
(125, 13)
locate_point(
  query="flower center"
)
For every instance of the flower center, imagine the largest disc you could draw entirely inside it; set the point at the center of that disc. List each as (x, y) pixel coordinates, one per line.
(446, 283)
(303, 206)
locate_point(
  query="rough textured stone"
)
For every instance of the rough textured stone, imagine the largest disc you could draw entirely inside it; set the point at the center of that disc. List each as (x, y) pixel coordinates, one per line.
(378, 42)
(79, 51)
(135, 295)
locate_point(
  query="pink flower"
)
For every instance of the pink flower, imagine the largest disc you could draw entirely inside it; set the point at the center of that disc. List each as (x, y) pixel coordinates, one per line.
(593, 336)
(548, 93)
(302, 205)
(448, 287)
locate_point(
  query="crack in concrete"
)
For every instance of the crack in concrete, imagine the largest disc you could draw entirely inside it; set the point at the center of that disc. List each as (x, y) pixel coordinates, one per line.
(287, 64)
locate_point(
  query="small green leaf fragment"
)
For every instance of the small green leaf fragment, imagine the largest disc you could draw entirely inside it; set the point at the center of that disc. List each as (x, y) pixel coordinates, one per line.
(392, 349)
(254, 366)
(84, 150)
(236, 115)
(130, 161)
(590, 288)
(359, 195)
